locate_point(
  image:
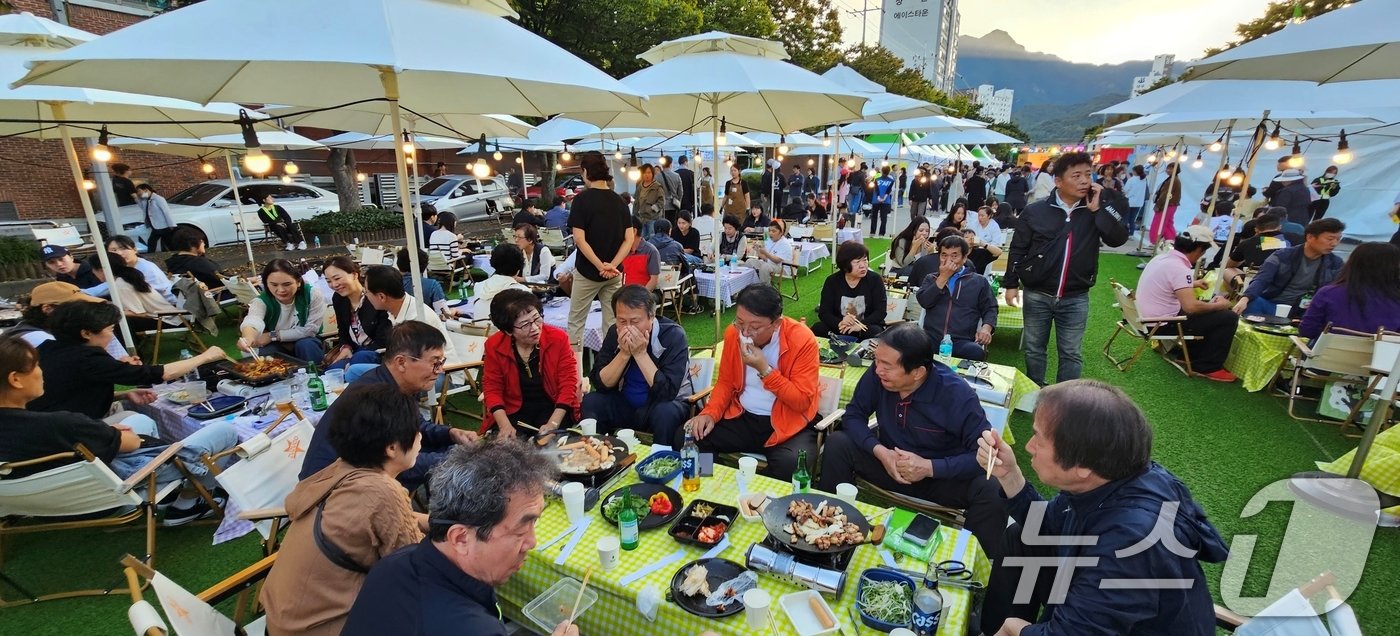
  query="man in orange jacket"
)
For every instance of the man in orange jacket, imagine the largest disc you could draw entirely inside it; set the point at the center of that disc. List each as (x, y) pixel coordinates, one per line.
(766, 396)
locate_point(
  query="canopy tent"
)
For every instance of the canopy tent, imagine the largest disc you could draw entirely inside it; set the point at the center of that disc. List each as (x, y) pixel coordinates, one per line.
(974, 136)
(1354, 42)
(393, 63)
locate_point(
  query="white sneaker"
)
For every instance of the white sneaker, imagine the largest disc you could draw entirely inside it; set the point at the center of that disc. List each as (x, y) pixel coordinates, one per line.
(301, 245)
(290, 247)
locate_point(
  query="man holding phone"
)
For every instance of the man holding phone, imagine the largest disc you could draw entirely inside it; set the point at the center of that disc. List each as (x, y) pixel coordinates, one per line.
(928, 421)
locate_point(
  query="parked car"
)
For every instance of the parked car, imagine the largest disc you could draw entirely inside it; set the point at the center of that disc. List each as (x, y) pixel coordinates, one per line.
(469, 198)
(569, 186)
(209, 207)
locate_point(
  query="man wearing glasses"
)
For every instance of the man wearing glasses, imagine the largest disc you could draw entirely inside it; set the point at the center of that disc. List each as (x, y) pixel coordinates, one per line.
(766, 396)
(412, 361)
(924, 444)
(641, 375)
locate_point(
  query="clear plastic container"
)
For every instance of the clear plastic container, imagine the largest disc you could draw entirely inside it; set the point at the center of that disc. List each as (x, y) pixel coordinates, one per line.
(552, 607)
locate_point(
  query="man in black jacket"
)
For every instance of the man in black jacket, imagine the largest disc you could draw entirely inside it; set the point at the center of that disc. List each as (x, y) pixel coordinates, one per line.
(975, 188)
(959, 302)
(1055, 256)
(687, 184)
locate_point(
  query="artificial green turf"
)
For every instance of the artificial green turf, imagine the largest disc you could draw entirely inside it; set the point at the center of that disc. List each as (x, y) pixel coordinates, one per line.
(1223, 442)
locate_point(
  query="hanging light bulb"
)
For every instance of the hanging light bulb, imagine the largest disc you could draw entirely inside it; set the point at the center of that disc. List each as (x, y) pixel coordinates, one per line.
(497, 155)
(1198, 162)
(1151, 158)
(291, 167)
(408, 160)
(884, 163)
(361, 177)
(255, 161)
(1343, 155)
(1296, 160)
(810, 162)
(206, 167)
(101, 152)
(826, 139)
(1216, 145)
(407, 144)
(520, 160)
(723, 138)
(1274, 140)
(1237, 179)
(634, 172)
(89, 184)
(481, 169)
(566, 155)
(1224, 173)
(558, 166)
(1171, 153)
(286, 178)
(903, 148)
(851, 162)
(782, 145)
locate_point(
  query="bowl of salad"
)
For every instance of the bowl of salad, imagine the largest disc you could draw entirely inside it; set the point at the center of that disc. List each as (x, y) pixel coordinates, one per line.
(659, 468)
(885, 599)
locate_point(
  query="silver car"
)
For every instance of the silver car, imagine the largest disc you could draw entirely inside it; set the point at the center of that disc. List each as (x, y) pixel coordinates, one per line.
(209, 207)
(467, 197)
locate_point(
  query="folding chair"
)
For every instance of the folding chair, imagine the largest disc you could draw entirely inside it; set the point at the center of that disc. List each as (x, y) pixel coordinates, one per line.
(673, 288)
(828, 409)
(448, 271)
(955, 517)
(1338, 355)
(788, 271)
(191, 613)
(702, 377)
(554, 239)
(65, 235)
(470, 351)
(265, 473)
(895, 307)
(1294, 614)
(371, 256)
(163, 328)
(81, 488)
(1138, 327)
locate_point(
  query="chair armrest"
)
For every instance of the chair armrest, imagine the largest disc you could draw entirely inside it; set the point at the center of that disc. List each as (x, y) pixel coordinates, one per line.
(453, 368)
(831, 418)
(1227, 619)
(156, 462)
(1155, 319)
(696, 397)
(1302, 346)
(262, 514)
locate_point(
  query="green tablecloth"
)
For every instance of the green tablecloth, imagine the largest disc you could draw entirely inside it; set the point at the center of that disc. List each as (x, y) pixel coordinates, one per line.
(1008, 317)
(616, 613)
(1255, 356)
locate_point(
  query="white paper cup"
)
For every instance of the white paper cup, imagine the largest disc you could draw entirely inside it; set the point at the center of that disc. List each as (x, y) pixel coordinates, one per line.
(628, 436)
(748, 467)
(608, 552)
(847, 492)
(572, 493)
(1282, 311)
(588, 426)
(756, 607)
(901, 631)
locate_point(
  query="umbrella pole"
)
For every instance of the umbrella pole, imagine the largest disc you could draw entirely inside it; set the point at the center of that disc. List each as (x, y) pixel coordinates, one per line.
(1171, 182)
(97, 240)
(414, 200)
(1256, 138)
(242, 221)
(1143, 223)
(390, 80)
(714, 192)
(833, 213)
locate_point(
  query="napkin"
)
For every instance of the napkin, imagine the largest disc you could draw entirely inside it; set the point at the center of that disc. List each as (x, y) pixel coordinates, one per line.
(573, 542)
(642, 573)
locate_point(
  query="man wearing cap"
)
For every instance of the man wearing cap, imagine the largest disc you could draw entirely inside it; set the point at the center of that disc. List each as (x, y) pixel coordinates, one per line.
(1168, 288)
(1292, 194)
(34, 326)
(57, 259)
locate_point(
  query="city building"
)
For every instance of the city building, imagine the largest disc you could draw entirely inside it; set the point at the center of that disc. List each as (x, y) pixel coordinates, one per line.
(996, 104)
(923, 33)
(1161, 67)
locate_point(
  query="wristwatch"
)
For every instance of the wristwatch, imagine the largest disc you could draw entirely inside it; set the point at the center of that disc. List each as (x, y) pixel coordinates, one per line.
(763, 375)
(273, 337)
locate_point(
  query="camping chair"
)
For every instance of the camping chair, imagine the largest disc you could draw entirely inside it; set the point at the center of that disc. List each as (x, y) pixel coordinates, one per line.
(470, 351)
(65, 235)
(788, 271)
(673, 289)
(1338, 356)
(554, 239)
(1138, 327)
(896, 306)
(265, 473)
(163, 328)
(81, 486)
(191, 613)
(370, 256)
(448, 271)
(997, 417)
(828, 410)
(1294, 614)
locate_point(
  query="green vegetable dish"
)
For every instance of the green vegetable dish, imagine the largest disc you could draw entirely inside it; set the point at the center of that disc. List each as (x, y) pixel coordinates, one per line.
(661, 467)
(613, 506)
(888, 601)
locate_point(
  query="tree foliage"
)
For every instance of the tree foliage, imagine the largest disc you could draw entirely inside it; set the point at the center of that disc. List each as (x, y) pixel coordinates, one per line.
(609, 34)
(1277, 16)
(740, 17)
(811, 31)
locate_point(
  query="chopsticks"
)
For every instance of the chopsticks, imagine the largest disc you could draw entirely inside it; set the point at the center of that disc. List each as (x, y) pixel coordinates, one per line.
(991, 460)
(251, 351)
(579, 598)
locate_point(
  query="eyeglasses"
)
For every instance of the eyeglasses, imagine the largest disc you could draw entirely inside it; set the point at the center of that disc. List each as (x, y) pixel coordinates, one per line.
(531, 323)
(437, 363)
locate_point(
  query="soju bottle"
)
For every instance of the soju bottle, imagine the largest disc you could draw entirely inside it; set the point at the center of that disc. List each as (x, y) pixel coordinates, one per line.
(627, 522)
(316, 387)
(801, 479)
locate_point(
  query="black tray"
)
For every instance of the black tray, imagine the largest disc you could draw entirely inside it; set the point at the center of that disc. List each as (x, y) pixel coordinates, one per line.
(689, 524)
(226, 369)
(222, 405)
(645, 491)
(1261, 319)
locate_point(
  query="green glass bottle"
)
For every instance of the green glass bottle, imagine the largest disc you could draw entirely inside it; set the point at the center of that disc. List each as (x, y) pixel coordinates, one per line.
(627, 522)
(316, 387)
(801, 479)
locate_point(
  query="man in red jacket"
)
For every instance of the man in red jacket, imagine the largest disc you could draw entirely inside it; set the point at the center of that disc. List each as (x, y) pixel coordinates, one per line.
(766, 396)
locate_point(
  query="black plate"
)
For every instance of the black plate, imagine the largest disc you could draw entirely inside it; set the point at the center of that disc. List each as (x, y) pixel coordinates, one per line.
(827, 356)
(645, 491)
(1277, 330)
(551, 440)
(720, 570)
(222, 405)
(775, 516)
(689, 523)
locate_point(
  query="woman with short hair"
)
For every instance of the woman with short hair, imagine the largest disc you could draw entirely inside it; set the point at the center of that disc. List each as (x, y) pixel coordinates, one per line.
(287, 316)
(354, 508)
(853, 299)
(529, 373)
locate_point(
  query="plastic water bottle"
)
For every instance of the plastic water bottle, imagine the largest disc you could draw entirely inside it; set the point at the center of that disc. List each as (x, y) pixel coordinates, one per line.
(193, 374)
(317, 241)
(298, 382)
(928, 604)
(945, 348)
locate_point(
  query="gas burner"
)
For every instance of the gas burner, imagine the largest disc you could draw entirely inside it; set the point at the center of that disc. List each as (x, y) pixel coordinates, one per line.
(825, 573)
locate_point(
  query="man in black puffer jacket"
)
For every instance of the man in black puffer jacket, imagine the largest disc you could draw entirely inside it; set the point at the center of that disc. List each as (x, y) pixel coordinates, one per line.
(1055, 256)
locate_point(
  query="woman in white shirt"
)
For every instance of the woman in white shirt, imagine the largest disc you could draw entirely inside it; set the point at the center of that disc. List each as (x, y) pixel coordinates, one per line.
(138, 297)
(776, 250)
(445, 240)
(1136, 189)
(539, 261)
(124, 249)
(986, 228)
(287, 316)
(1044, 183)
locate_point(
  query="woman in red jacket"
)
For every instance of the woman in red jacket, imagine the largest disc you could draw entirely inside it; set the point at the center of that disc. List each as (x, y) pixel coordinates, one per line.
(529, 372)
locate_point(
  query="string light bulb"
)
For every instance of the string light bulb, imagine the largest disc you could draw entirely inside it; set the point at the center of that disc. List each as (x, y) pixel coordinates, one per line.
(286, 178)
(1171, 154)
(1343, 155)
(884, 163)
(851, 162)
(566, 155)
(408, 160)
(634, 172)
(101, 152)
(206, 167)
(782, 145)
(1237, 179)
(255, 161)
(520, 160)
(291, 168)
(1151, 158)
(826, 139)
(723, 138)
(558, 166)
(497, 155)
(1216, 145)
(618, 155)
(810, 162)
(1274, 140)
(1198, 162)
(481, 169)
(1224, 173)
(89, 184)
(407, 144)
(361, 177)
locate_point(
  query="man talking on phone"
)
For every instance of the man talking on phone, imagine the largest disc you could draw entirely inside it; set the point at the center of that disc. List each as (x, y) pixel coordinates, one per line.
(765, 398)
(924, 443)
(1055, 257)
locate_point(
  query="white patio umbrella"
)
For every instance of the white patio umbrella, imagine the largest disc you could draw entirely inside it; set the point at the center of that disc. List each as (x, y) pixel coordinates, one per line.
(26, 29)
(976, 136)
(223, 145)
(423, 55)
(1352, 43)
(926, 124)
(1214, 121)
(883, 105)
(372, 122)
(362, 141)
(732, 81)
(1257, 95)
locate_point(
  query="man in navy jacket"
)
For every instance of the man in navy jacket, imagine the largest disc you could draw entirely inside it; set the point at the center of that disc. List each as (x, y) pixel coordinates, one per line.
(959, 302)
(928, 421)
(1128, 529)
(641, 375)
